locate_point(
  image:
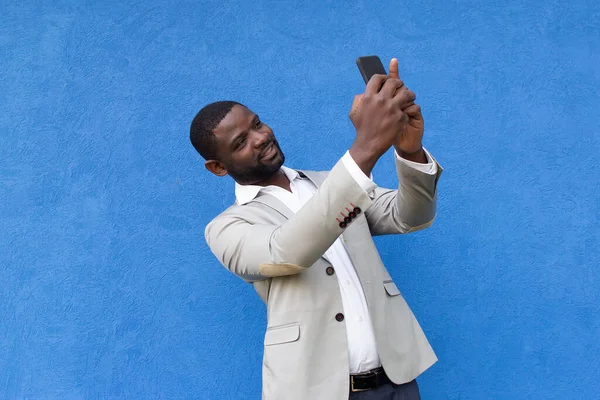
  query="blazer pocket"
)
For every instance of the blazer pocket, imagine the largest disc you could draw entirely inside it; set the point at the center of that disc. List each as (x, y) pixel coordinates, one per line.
(391, 288)
(282, 334)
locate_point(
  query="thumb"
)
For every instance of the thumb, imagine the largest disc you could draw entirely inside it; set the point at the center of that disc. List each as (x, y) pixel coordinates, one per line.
(356, 103)
(394, 68)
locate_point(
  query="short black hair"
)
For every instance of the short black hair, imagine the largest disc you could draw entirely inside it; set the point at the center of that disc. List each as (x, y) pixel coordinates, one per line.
(208, 118)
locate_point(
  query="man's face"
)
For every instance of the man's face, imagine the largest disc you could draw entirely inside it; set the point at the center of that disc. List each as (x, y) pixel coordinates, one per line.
(247, 148)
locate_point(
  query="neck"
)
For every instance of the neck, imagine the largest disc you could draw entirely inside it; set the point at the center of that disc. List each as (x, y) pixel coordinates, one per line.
(277, 179)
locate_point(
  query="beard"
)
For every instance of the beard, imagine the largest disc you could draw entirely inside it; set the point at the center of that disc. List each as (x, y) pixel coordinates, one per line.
(259, 172)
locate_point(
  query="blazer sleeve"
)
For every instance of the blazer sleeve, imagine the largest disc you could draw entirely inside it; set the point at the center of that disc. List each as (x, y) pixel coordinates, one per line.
(409, 208)
(260, 251)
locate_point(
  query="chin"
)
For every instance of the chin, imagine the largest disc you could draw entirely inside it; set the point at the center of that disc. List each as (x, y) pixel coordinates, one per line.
(277, 163)
(280, 158)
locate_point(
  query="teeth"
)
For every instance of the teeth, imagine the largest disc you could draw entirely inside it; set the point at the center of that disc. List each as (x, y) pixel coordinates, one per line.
(270, 149)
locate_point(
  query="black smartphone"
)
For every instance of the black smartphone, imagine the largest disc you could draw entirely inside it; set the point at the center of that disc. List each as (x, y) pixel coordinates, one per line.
(369, 66)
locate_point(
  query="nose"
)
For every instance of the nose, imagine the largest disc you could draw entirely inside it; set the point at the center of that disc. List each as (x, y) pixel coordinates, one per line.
(260, 139)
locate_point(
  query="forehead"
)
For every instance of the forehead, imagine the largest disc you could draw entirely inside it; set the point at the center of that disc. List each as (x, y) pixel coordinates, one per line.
(236, 120)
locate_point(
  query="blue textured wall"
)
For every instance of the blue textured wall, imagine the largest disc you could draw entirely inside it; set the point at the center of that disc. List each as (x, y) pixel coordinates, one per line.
(107, 289)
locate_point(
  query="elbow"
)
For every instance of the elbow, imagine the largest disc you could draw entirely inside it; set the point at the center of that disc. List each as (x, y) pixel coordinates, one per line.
(415, 221)
(283, 264)
(273, 270)
(419, 217)
(420, 227)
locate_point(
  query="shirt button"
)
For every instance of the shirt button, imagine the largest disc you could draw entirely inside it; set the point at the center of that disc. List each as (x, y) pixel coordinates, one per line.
(348, 283)
(339, 317)
(360, 319)
(330, 271)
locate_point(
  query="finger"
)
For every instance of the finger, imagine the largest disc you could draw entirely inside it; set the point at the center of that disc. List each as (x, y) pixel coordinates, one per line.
(391, 87)
(403, 97)
(355, 103)
(413, 111)
(408, 105)
(375, 84)
(394, 68)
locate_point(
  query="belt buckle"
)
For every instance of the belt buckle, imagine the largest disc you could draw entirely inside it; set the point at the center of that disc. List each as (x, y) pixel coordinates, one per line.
(368, 374)
(352, 389)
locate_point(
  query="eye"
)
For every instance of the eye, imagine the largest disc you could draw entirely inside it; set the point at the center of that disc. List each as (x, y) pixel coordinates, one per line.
(257, 123)
(241, 142)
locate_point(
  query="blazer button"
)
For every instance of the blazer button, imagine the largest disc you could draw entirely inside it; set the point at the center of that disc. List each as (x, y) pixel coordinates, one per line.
(339, 317)
(347, 220)
(356, 210)
(342, 224)
(329, 271)
(351, 214)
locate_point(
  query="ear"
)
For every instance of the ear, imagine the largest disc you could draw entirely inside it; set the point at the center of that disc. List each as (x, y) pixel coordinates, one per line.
(216, 167)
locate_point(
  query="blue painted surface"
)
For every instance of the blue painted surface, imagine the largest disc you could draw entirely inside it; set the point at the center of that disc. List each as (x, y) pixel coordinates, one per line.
(107, 288)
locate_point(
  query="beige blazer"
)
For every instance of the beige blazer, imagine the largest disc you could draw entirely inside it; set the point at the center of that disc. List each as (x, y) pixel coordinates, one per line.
(281, 254)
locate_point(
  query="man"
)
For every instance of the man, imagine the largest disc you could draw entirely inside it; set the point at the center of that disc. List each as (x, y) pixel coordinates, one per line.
(338, 326)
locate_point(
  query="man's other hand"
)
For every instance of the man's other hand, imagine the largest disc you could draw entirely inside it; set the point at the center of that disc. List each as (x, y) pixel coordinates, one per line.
(378, 117)
(409, 143)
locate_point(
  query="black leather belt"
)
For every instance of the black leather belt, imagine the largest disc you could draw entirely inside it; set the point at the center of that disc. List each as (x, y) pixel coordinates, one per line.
(368, 380)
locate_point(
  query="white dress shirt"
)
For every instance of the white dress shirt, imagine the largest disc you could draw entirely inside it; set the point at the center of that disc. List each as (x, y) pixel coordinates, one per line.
(362, 349)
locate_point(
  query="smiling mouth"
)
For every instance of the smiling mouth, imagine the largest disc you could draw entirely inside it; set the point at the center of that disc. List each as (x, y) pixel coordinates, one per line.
(269, 152)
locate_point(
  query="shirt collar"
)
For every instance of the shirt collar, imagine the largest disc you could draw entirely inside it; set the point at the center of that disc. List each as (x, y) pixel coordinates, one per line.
(246, 193)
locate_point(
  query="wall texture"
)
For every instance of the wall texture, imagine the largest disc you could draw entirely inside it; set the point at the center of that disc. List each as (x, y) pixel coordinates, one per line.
(107, 288)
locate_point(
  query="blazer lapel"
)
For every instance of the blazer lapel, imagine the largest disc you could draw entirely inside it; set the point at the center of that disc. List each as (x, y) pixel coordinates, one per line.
(316, 177)
(275, 204)
(278, 205)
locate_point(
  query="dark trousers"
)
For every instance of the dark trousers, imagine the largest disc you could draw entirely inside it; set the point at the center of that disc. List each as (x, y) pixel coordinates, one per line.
(407, 391)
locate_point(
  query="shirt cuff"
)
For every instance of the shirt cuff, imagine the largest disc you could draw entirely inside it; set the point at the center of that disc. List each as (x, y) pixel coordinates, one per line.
(429, 168)
(366, 183)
